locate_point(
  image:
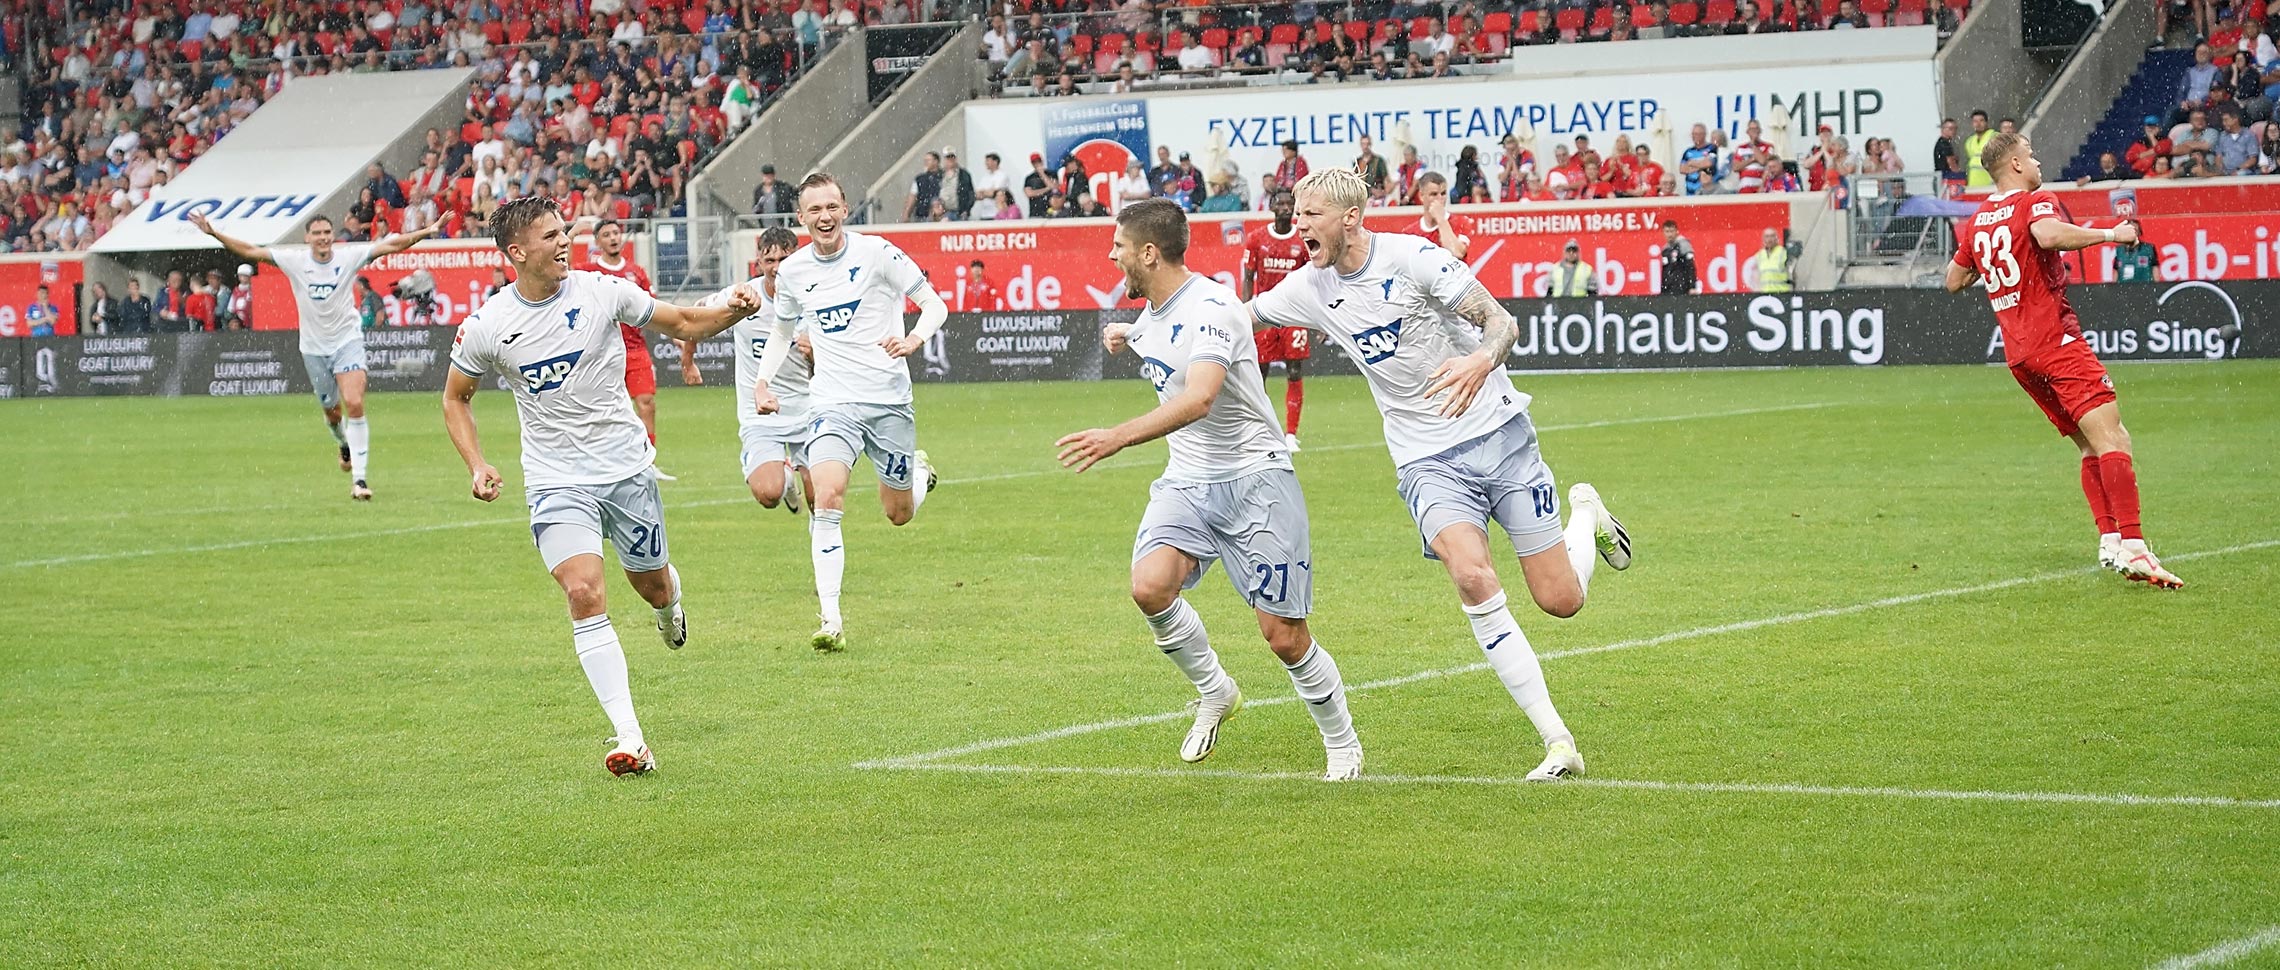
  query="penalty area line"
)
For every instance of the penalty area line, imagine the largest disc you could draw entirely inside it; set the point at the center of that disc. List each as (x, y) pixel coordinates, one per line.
(1633, 784)
(2226, 952)
(977, 747)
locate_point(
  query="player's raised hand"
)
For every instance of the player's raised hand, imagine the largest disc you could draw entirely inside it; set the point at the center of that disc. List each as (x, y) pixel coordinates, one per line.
(901, 346)
(764, 400)
(1461, 378)
(743, 300)
(1086, 448)
(1116, 336)
(2126, 233)
(487, 482)
(199, 219)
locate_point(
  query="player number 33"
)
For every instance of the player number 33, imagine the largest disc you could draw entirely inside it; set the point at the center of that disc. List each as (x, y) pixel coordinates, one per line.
(1993, 247)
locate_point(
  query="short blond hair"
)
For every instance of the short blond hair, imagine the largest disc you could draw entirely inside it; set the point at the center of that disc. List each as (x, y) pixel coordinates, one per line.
(1342, 188)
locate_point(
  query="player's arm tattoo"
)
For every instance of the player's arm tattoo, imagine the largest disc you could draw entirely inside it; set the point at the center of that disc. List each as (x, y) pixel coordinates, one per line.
(1498, 329)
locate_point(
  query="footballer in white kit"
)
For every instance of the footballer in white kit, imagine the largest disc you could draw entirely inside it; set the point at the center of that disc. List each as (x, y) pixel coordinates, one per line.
(771, 448)
(847, 289)
(1406, 311)
(323, 278)
(586, 459)
(1228, 494)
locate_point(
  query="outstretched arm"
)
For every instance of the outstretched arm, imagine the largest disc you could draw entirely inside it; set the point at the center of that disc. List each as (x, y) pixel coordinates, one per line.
(459, 421)
(236, 247)
(1087, 448)
(699, 322)
(2066, 237)
(1463, 376)
(401, 241)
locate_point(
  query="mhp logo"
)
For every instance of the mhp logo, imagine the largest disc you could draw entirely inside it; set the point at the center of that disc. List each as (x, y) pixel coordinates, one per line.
(834, 319)
(1379, 344)
(549, 374)
(1155, 372)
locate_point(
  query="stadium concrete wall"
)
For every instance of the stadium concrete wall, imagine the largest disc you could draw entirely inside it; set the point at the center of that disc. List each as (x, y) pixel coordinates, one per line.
(2186, 321)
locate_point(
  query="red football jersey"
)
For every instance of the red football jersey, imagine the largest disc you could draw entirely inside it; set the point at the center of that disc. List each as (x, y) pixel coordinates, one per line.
(1268, 257)
(1462, 225)
(2026, 284)
(626, 269)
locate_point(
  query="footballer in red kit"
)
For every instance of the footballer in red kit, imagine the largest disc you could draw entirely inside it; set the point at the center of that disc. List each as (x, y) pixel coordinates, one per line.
(1271, 252)
(2012, 248)
(609, 256)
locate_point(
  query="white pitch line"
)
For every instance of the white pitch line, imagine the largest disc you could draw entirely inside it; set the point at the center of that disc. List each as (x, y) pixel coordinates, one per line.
(1073, 730)
(1039, 473)
(1628, 784)
(2224, 953)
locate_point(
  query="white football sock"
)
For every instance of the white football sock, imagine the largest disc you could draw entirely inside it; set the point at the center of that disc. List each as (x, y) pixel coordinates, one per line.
(358, 435)
(1516, 665)
(830, 553)
(598, 652)
(667, 610)
(918, 473)
(1180, 635)
(1582, 537)
(1315, 676)
(334, 427)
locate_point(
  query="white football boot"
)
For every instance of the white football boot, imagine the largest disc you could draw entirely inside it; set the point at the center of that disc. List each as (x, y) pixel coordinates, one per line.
(2110, 551)
(794, 501)
(1210, 713)
(629, 758)
(828, 639)
(2140, 565)
(673, 626)
(1613, 541)
(1291, 440)
(932, 479)
(1560, 761)
(1344, 764)
(360, 491)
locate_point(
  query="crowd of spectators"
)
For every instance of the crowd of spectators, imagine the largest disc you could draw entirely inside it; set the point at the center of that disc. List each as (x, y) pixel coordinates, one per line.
(612, 109)
(1088, 46)
(2222, 123)
(1708, 164)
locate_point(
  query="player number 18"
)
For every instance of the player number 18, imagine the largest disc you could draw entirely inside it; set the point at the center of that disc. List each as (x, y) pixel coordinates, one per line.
(1991, 248)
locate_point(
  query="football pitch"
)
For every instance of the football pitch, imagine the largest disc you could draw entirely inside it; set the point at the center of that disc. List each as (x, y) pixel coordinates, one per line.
(1863, 700)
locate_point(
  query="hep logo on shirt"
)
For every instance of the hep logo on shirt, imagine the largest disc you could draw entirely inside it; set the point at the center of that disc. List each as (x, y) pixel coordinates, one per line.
(834, 319)
(549, 374)
(1379, 344)
(1155, 372)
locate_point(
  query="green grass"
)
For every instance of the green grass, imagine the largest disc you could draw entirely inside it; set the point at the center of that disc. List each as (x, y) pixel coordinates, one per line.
(380, 751)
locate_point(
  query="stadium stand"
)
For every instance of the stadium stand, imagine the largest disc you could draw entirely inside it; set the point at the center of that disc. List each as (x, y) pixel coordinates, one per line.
(620, 105)
(2237, 72)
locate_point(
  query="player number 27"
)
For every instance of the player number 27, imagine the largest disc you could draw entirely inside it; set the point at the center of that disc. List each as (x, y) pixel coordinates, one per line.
(1991, 248)
(1274, 576)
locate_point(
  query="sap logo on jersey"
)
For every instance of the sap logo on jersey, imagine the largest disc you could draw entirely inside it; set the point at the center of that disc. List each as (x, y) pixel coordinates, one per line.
(834, 319)
(549, 374)
(320, 292)
(1379, 344)
(1155, 372)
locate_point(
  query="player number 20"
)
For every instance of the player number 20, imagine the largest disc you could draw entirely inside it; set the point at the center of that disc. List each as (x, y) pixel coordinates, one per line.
(647, 541)
(1991, 248)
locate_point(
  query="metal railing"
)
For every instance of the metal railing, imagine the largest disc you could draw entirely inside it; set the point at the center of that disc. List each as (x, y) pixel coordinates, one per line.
(1883, 229)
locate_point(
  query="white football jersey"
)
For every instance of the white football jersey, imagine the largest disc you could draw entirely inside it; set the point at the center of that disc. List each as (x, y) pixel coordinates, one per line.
(849, 301)
(751, 336)
(565, 364)
(1396, 319)
(1203, 321)
(325, 294)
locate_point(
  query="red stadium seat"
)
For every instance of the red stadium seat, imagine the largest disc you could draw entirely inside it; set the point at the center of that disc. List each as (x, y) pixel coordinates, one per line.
(694, 20)
(326, 42)
(1570, 22)
(1358, 31)
(1879, 11)
(1175, 39)
(1911, 12)
(1144, 42)
(1960, 7)
(518, 32)
(1111, 45)
(1284, 34)
(190, 49)
(1420, 28)
(1497, 24)
(1642, 17)
(1602, 20)
(471, 132)
(1685, 13)
(1081, 45)
(463, 190)
(1460, 26)
(1215, 38)
(623, 208)
(1531, 22)
(1720, 13)
(495, 32)
(620, 126)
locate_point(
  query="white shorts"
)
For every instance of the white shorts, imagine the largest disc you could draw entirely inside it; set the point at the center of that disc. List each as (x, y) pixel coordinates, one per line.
(570, 520)
(761, 445)
(1256, 523)
(1499, 475)
(322, 367)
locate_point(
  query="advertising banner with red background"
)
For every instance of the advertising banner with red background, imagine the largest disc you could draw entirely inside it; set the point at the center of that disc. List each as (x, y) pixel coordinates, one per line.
(20, 282)
(1063, 264)
(2201, 231)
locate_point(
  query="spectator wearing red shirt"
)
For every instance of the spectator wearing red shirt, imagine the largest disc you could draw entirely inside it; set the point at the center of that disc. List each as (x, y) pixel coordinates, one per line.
(1751, 156)
(1619, 164)
(980, 295)
(1450, 232)
(1292, 168)
(1646, 176)
(1595, 184)
(1406, 176)
(2151, 144)
(198, 307)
